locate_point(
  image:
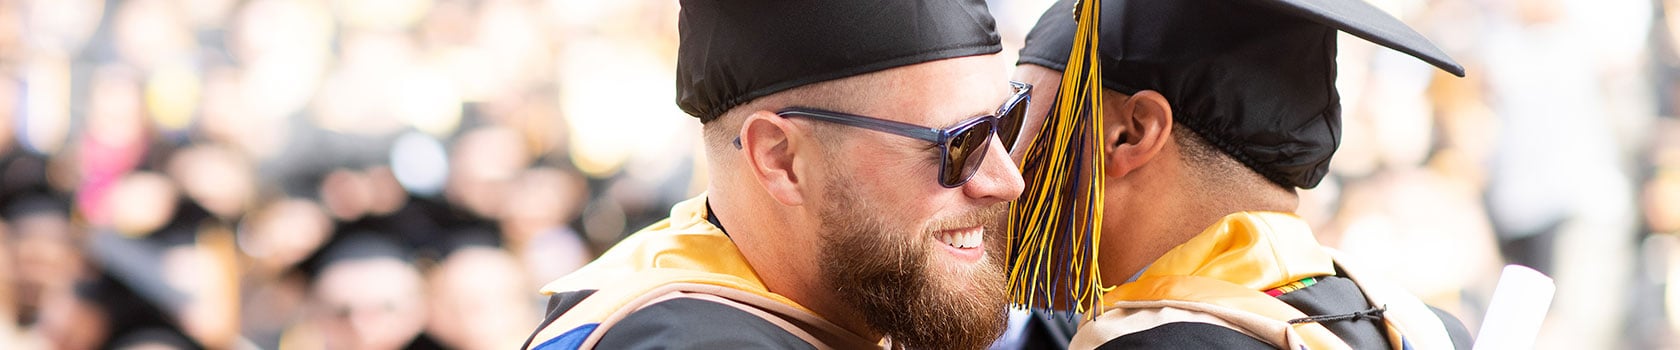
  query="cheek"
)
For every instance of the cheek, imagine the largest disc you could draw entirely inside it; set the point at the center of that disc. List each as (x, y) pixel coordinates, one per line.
(905, 210)
(894, 188)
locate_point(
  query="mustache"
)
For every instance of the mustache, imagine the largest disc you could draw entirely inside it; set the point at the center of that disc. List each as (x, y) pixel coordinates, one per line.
(987, 217)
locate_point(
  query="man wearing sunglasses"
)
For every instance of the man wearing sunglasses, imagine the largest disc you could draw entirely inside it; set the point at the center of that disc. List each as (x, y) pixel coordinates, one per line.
(1213, 113)
(855, 170)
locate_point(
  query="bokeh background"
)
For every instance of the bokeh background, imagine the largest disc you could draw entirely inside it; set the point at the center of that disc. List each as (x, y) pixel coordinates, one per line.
(378, 174)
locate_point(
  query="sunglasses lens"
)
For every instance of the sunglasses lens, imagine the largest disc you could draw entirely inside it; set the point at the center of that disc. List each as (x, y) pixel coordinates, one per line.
(1009, 123)
(964, 152)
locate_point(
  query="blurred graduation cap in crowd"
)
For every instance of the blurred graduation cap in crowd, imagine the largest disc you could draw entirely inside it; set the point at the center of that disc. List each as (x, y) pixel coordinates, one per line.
(20, 205)
(363, 245)
(469, 237)
(359, 244)
(24, 188)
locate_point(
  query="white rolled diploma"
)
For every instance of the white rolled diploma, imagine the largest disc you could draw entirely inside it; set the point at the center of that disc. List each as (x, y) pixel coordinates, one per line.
(1519, 306)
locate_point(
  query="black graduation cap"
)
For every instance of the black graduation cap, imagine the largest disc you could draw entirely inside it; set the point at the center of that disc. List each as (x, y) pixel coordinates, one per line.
(364, 245)
(734, 51)
(1255, 78)
(24, 188)
(355, 243)
(469, 237)
(26, 204)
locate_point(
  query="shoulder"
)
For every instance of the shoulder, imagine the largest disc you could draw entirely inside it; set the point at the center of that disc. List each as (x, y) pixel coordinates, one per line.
(1185, 335)
(686, 323)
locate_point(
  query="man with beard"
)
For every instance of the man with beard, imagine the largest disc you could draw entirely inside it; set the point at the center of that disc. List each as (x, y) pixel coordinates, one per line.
(1210, 114)
(855, 166)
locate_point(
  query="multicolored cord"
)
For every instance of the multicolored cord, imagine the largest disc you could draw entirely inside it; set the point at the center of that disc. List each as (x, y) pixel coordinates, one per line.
(1292, 286)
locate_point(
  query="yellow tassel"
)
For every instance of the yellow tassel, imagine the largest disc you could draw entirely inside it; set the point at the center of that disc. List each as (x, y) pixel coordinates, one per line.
(1055, 227)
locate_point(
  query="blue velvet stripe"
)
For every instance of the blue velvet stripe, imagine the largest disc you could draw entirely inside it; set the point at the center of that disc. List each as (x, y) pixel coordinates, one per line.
(571, 340)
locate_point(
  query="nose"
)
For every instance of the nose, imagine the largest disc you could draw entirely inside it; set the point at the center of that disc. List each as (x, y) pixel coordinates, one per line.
(997, 179)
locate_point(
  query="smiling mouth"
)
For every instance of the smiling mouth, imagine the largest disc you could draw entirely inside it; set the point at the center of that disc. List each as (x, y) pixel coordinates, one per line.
(968, 238)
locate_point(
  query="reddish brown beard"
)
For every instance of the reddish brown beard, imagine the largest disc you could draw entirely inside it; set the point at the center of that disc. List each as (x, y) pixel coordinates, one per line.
(888, 278)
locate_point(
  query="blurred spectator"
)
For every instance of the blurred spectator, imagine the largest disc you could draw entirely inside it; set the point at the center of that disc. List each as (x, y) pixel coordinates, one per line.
(115, 141)
(486, 161)
(48, 261)
(9, 317)
(204, 274)
(535, 224)
(219, 180)
(277, 237)
(75, 320)
(367, 295)
(140, 203)
(283, 233)
(479, 301)
(1576, 221)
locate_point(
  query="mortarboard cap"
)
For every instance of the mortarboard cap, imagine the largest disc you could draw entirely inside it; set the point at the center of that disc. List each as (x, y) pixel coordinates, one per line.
(355, 245)
(22, 205)
(732, 52)
(1255, 78)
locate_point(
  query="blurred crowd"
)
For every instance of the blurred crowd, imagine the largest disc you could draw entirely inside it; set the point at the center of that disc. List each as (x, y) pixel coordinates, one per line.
(307, 174)
(381, 174)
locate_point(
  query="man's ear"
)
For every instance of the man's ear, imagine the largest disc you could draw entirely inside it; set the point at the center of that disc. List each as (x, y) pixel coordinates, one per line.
(1137, 129)
(769, 148)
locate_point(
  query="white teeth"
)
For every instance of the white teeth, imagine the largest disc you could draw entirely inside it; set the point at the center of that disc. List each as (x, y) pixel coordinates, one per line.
(969, 239)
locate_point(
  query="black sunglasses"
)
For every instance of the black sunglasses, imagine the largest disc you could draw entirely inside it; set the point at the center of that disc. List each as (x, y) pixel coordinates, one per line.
(961, 147)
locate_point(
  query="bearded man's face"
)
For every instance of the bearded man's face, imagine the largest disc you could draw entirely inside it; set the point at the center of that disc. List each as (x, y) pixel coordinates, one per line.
(907, 284)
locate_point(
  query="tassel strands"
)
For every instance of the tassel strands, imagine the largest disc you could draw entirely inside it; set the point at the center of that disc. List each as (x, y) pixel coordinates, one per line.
(1054, 227)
